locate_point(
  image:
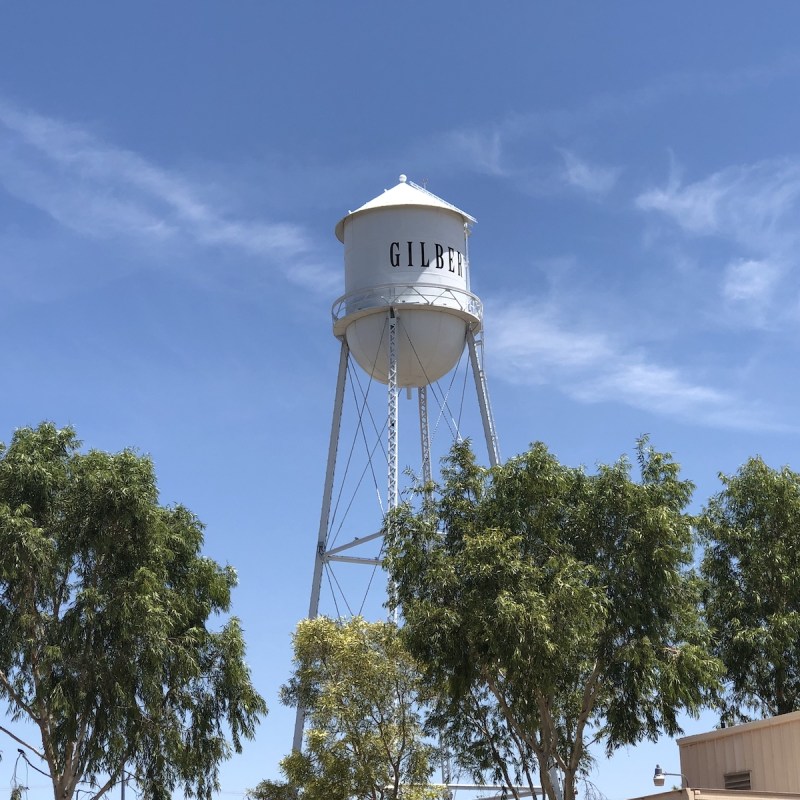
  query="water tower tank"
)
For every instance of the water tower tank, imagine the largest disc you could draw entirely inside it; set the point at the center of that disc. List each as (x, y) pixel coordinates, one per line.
(405, 252)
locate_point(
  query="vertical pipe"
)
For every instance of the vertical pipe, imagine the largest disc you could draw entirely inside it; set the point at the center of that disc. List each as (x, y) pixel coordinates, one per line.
(555, 780)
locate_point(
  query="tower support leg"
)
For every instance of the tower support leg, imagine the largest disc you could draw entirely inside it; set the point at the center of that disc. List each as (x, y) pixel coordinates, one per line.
(479, 375)
(392, 498)
(324, 517)
(424, 434)
(393, 419)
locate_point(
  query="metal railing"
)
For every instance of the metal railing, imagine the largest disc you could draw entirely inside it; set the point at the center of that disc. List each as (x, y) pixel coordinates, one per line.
(422, 294)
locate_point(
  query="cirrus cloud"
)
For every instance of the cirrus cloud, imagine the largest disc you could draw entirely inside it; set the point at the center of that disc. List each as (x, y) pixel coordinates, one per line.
(532, 345)
(101, 191)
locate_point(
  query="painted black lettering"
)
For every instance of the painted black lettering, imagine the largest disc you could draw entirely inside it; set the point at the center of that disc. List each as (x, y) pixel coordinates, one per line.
(459, 263)
(394, 254)
(410, 255)
(439, 251)
(450, 252)
(422, 258)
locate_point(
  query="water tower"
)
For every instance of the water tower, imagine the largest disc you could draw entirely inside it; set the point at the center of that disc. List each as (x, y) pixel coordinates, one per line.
(406, 317)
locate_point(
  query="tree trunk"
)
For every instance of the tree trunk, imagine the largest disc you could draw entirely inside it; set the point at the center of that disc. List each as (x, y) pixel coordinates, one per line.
(570, 789)
(61, 789)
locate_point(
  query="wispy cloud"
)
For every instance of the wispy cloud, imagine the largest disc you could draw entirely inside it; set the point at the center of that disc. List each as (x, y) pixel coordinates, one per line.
(519, 146)
(591, 178)
(751, 208)
(480, 150)
(749, 287)
(531, 345)
(99, 190)
(750, 281)
(755, 205)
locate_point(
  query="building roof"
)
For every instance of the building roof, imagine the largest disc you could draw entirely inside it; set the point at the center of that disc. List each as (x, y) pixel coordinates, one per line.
(792, 718)
(717, 794)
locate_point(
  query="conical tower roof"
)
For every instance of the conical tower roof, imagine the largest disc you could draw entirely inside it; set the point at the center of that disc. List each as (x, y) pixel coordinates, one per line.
(406, 193)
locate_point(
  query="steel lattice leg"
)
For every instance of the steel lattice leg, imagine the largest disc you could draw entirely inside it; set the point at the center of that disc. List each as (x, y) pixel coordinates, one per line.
(424, 433)
(392, 498)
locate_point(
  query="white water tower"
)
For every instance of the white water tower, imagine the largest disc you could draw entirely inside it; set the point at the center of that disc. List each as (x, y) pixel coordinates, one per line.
(405, 318)
(406, 250)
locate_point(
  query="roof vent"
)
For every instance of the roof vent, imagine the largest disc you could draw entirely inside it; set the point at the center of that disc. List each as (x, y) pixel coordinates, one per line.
(737, 780)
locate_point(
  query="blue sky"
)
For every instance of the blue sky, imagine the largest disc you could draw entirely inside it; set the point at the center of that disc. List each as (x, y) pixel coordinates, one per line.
(170, 175)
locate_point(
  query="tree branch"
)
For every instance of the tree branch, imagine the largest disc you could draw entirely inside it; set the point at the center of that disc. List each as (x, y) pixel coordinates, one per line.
(14, 695)
(548, 726)
(23, 743)
(105, 787)
(33, 766)
(504, 707)
(483, 722)
(587, 705)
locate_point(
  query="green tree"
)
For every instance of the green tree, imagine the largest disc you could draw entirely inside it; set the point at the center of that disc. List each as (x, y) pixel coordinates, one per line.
(105, 603)
(361, 692)
(752, 599)
(551, 609)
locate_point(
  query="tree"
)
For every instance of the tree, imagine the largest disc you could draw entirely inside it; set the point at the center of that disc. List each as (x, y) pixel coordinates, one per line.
(105, 603)
(752, 598)
(552, 609)
(362, 696)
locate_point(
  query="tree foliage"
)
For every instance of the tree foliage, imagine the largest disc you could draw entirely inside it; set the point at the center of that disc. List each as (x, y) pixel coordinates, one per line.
(551, 608)
(105, 603)
(273, 790)
(752, 600)
(362, 696)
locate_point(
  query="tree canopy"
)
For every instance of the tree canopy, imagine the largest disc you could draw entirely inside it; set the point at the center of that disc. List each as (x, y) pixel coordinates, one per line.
(550, 608)
(752, 599)
(105, 607)
(363, 700)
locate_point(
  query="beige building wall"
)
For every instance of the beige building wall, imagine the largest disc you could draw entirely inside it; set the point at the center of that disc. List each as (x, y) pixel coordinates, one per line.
(769, 750)
(716, 794)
